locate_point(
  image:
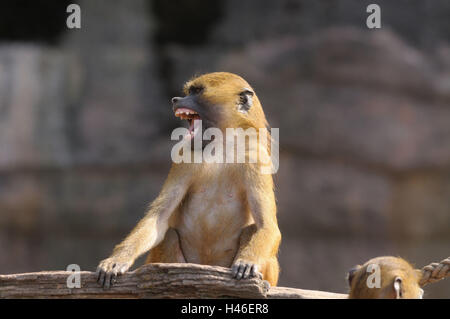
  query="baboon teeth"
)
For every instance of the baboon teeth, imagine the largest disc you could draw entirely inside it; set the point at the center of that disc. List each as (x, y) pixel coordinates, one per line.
(185, 113)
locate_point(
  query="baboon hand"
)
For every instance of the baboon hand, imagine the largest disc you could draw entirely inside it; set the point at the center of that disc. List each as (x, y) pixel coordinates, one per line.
(243, 269)
(109, 269)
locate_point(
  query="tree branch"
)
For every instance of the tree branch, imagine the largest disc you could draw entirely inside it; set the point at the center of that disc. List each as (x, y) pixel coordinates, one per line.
(151, 281)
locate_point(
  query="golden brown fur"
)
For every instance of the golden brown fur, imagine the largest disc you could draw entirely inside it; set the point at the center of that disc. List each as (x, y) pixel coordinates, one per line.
(399, 280)
(215, 214)
(218, 94)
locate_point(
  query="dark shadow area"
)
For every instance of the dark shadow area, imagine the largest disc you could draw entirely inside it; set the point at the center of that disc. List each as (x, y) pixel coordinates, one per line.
(186, 22)
(33, 21)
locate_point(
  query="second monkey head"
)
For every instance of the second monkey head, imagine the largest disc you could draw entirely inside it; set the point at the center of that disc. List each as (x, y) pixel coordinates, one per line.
(397, 279)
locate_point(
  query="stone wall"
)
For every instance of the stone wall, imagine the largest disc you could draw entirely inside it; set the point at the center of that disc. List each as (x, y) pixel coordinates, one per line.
(364, 120)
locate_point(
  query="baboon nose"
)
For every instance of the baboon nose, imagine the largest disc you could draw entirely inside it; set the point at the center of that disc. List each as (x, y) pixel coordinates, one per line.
(175, 100)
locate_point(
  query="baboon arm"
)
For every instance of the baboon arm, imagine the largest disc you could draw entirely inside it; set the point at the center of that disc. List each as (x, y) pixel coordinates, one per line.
(151, 229)
(261, 241)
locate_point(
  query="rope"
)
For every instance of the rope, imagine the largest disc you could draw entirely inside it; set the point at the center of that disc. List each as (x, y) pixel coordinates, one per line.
(435, 272)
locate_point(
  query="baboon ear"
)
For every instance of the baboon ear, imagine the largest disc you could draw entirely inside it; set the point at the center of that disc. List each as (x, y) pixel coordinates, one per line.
(351, 274)
(398, 287)
(245, 100)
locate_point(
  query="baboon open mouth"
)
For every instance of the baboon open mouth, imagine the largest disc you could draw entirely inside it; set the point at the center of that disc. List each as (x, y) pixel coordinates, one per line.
(190, 115)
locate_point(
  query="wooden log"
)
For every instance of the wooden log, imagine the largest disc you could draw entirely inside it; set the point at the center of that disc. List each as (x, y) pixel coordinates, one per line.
(151, 281)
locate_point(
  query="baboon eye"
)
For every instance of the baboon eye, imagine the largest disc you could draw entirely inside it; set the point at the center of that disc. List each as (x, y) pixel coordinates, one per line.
(247, 92)
(194, 90)
(245, 100)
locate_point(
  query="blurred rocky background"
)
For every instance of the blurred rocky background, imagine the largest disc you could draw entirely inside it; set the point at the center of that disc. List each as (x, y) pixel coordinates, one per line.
(364, 118)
